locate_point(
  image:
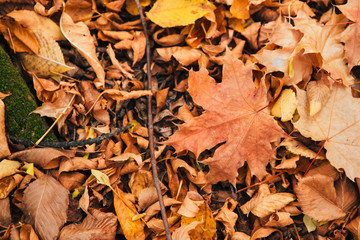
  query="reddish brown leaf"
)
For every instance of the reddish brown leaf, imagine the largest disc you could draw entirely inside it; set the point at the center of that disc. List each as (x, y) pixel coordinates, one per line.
(233, 113)
(45, 205)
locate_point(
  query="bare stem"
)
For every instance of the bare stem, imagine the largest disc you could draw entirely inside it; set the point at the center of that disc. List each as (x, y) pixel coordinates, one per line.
(151, 127)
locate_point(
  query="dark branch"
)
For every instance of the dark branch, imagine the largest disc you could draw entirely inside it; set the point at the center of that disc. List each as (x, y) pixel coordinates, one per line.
(30, 143)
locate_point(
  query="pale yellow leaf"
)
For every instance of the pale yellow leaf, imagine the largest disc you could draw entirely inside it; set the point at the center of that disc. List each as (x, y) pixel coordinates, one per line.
(298, 148)
(317, 93)
(285, 106)
(131, 6)
(101, 177)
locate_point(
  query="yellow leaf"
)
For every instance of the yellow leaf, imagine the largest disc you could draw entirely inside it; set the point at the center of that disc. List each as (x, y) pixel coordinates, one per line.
(28, 168)
(132, 227)
(206, 229)
(8, 167)
(132, 8)
(174, 13)
(240, 9)
(101, 177)
(7, 184)
(285, 106)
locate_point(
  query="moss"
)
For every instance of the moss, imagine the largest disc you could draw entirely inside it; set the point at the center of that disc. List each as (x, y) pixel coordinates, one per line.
(18, 106)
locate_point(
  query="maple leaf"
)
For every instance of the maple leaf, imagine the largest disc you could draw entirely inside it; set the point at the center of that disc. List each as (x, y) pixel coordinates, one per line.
(324, 40)
(351, 35)
(233, 114)
(338, 123)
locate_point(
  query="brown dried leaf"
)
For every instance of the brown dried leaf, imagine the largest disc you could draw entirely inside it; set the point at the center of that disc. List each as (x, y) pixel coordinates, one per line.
(45, 157)
(99, 225)
(8, 167)
(79, 36)
(34, 21)
(4, 148)
(45, 205)
(227, 216)
(265, 203)
(317, 198)
(5, 215)
(19, 38)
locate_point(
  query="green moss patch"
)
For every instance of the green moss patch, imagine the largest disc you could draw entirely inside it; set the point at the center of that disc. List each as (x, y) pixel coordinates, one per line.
(18, 120)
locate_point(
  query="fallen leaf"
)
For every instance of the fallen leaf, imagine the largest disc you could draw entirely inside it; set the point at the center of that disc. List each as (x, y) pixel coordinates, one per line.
(351, 36)
(285, 105)
(45, 157)
(227, 216)
(322, 40)
(233, 113)
(126, 211)
(99, 225)
(316, 200)
(240, 9)
(264, 203)
(338, 123)
(4, 148)
(45, 205)
(264, 232)
(178, 12)
(79, 36)
(19, 38)
(8, 167)
(33, 21)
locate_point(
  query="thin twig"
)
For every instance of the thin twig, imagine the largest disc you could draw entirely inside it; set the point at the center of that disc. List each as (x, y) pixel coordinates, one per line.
(151, 127)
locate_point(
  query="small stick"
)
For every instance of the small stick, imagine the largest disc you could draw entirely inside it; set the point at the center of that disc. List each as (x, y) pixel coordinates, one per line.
(151, 127)
(53, 125)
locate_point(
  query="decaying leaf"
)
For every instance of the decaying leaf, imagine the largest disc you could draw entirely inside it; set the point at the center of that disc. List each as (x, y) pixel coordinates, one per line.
(8, 167)
(317, 93)
(233, 113)
(45, 203)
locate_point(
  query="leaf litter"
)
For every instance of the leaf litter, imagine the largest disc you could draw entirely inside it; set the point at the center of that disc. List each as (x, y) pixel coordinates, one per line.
(256, 120)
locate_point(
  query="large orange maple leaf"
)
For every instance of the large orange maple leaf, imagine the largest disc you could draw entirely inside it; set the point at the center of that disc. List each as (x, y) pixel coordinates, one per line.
(234, 114)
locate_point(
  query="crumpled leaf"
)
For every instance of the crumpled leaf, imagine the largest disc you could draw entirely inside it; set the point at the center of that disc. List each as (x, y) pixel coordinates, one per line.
(45, 204)
(178, 12)
(233, 113)
(227, 216)
(264, 203)
(338, 123)
(99, 225)
(79, 36)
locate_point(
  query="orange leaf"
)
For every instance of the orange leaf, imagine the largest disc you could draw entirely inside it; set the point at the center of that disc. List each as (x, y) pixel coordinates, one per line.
(233, 113)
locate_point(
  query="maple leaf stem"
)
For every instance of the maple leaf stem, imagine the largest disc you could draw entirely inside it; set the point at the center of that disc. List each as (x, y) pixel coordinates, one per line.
(313, 160)
(151, 127)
